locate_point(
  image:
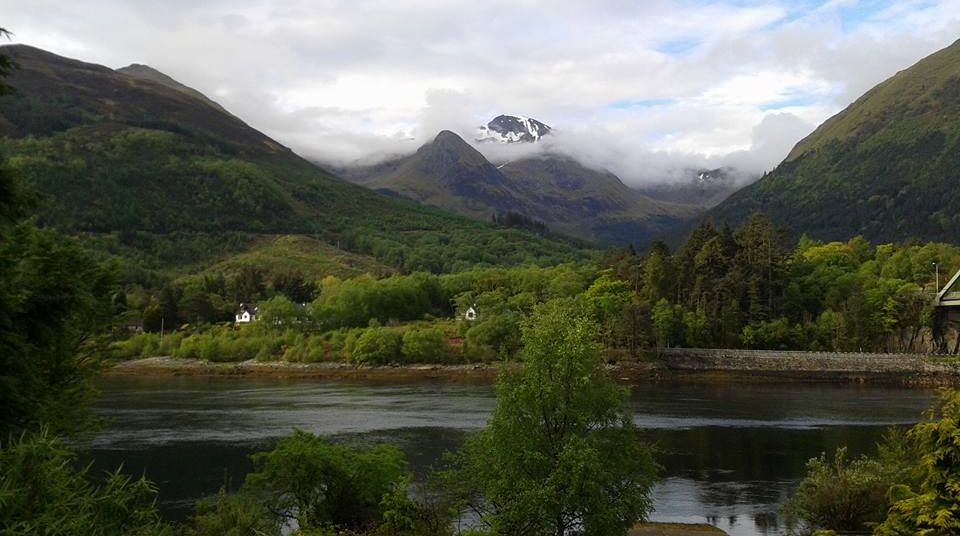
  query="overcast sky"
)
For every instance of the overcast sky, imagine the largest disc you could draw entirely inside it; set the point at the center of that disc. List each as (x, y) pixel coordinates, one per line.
(643, 88)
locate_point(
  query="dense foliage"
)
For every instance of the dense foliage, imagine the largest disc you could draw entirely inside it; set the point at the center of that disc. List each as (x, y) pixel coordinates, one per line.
(747, 288)
(560, 452)
(54, 302)
(931, 506)
(41, 492)
(320, 484)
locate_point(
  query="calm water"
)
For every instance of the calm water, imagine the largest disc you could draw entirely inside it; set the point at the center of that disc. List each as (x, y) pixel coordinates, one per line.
(731, 454)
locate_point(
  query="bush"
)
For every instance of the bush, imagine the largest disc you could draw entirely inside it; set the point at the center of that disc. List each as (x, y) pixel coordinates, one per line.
(840, 494)
(42, 492)
(497, 336)
(231, 515)
(138, 345)
(320, 484)
(426, 345)
(377, 346)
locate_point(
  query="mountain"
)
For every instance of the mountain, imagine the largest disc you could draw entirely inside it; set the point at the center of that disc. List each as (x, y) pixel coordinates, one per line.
(451, 174)
(513, 129)
(703, 187)
(148, 169)
(555, 190)
(886, 167)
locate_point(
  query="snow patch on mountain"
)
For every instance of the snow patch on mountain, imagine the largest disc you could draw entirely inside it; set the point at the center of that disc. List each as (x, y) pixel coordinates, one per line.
(513, 129)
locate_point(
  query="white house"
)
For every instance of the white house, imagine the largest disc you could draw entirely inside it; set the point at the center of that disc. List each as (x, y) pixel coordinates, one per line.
(471, 313)
(247, 313)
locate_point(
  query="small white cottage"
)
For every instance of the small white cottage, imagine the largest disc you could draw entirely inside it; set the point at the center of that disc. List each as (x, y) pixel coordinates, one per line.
(247, 313)
(471, 313)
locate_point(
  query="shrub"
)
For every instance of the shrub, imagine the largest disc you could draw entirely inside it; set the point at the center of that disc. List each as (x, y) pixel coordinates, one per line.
(43, 492)
(138, 345)
(498, 336)
(426, 345)
(231, 515)
(839, 494)
(377, 346)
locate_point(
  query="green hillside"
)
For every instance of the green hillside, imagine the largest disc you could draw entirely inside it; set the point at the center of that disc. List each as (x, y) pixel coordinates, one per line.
(886, 167)
(138, 162)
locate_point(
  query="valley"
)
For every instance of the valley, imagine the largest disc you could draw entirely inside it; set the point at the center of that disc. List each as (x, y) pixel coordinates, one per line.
(322, 297)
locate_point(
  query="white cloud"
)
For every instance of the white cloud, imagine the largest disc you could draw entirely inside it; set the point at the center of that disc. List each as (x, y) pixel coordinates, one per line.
(641, 88)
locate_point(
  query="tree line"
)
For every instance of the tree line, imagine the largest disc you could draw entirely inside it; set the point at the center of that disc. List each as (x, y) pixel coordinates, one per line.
(730, 288)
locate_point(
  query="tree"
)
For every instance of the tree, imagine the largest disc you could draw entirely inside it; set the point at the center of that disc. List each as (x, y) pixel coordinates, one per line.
(197, 306)
(665, 319)
(248, 285)
(54, 299)
(7, 66)
(279, 313)
(153, 320)
(294, 286)
(932, 507)
(308, 479)
(609, 298)
(561, 452)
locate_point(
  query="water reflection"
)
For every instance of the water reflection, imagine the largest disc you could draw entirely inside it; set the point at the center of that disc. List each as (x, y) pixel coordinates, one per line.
(731, 454)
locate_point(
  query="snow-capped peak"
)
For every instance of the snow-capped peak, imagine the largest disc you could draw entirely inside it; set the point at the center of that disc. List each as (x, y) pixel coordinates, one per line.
(513, 129)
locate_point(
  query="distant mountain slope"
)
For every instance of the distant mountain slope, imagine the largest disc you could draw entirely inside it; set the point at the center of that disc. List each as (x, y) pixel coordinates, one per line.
(450, 174)
(556, 190)
(705, 187)
(887, 167)
(108, 152)
(594, 204)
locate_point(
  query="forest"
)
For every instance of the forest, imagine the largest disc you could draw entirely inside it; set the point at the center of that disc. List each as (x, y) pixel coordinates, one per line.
(729, 288)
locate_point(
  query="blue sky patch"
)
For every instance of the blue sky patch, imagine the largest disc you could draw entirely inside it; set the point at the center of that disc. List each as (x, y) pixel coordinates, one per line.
(792, 101)
(638, 104)
(678, 47)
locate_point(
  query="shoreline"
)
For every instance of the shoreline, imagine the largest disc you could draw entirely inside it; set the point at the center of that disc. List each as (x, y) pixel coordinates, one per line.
(682, 367)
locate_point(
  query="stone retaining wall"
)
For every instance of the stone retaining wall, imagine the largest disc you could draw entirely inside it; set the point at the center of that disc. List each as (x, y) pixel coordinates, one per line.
(816, 365)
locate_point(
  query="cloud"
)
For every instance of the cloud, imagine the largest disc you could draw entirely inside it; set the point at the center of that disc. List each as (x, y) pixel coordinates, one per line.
(645, 89)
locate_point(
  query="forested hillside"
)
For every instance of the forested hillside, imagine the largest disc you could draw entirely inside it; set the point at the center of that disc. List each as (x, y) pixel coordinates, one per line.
(138, 165)
(887, 167)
